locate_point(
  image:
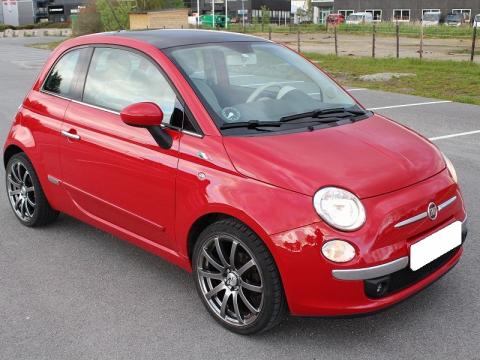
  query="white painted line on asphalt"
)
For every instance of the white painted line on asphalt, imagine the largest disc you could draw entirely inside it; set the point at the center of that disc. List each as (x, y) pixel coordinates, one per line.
(408, 105)
(359, 89)
(454, 135)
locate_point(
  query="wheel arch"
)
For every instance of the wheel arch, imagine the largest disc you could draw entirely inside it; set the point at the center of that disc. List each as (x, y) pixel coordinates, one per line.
(10, 150)
(205, 220)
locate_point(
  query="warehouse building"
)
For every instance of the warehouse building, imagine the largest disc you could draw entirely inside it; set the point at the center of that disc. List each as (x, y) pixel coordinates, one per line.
(24, 12)
(279, 9)
(395, 10)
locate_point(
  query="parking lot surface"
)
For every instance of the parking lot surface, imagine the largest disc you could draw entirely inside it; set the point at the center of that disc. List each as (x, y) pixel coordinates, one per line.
(70, 291)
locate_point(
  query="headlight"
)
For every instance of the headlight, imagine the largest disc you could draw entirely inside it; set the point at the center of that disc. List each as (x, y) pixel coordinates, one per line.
(339, 208)
(338, 251)
(450, 168)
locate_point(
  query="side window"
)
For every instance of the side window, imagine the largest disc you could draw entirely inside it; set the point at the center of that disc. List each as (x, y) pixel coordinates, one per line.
(61, 79)
(118, 78)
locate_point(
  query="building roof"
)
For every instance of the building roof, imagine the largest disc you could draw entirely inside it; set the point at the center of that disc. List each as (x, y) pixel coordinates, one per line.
(166, 38)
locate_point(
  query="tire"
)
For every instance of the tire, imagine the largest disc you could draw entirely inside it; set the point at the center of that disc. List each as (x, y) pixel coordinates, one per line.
(250, 278)
(25, 194)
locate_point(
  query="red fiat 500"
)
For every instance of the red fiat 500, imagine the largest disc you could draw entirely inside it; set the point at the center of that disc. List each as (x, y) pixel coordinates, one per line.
(237, 159)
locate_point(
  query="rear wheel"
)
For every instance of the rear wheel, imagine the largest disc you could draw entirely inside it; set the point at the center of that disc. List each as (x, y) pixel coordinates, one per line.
(25, 193)
(237, 279)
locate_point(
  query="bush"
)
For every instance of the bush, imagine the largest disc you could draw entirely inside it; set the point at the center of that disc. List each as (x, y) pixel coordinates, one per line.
(45, 25)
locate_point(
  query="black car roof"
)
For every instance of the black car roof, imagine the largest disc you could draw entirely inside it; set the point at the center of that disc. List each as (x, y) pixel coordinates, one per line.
(167, 38)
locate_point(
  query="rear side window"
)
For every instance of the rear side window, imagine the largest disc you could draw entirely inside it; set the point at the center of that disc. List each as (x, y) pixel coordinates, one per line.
(117, 78)
(62, 79)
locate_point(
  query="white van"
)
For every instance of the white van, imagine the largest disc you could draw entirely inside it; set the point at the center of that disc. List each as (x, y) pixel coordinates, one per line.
(431, 18)
(476, 20)
(360, 18)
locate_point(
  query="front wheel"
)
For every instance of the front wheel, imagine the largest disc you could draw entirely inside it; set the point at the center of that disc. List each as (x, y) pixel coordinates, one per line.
(236, 278)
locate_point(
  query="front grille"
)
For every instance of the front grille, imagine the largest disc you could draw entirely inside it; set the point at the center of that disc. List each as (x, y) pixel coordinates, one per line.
(387, 285)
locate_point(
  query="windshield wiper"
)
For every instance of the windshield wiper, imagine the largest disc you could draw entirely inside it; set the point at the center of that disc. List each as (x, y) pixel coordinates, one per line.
(327, 114)
(252, 124)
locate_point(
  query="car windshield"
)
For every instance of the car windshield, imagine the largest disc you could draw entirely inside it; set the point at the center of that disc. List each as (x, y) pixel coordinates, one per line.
(259, 83)
(355, 17)
(477, 18)
(431, 17)
(454, 17)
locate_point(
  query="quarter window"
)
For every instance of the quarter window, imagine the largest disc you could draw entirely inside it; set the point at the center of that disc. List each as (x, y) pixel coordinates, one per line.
(118, 78)
(62, 79)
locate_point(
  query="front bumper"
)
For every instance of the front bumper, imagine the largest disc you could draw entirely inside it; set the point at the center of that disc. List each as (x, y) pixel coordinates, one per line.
(379, 276)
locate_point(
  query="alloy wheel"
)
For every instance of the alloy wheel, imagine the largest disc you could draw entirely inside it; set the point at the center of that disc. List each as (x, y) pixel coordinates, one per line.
(21, 191)
(230, 280)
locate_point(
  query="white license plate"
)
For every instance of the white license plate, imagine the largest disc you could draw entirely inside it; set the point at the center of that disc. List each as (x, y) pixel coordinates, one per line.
(435, 245)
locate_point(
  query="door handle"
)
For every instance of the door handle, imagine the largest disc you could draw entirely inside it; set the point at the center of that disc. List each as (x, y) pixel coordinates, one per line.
(69, 135)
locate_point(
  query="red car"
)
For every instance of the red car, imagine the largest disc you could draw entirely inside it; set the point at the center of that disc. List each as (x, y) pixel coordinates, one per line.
(240, 161)
(335, 19)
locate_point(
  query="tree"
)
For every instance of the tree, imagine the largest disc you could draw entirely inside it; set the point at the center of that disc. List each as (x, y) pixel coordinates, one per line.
(114, 14)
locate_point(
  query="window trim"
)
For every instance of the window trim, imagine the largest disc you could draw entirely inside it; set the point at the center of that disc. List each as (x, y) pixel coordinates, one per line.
(344, 12)
(401, 15)
(463, 12)
(373, 15)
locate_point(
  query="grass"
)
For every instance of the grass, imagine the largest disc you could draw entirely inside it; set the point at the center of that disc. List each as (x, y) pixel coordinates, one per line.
(439, 79)
(46, 46)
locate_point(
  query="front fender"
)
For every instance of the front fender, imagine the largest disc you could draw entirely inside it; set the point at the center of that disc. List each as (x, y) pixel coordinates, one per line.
(266, 209)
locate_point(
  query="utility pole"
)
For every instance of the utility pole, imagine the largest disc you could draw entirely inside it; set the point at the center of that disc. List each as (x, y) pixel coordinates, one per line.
(226, 14)
(198, 13)
(243, 15)
(213, 14)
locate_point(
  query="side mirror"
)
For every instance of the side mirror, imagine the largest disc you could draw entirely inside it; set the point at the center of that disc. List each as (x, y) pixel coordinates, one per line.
(147, 115)
(142, 114)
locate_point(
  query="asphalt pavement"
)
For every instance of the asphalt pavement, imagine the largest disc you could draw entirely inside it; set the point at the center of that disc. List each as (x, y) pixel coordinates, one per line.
(69, 291)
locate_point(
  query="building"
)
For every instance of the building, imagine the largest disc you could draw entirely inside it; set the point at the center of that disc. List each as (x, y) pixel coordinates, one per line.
(24, 12)
(395, 10)
(17, 12)
(279, 9)
(56, 10)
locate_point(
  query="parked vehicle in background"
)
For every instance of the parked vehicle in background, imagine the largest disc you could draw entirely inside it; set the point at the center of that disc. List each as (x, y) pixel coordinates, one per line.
(455, 20)
(335, 19)
(360, 18)
(431, 18)
(476, 20)
(208, 20)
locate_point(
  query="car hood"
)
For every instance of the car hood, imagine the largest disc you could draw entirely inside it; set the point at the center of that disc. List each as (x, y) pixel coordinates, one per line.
(370, 157)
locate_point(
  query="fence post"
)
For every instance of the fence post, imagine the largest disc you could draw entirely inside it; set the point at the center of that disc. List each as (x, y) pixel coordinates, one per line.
(269, 33)
(298, 38)
(398, 39)
(474, 40)
(421, 41)
(373, 40)
(336, 40)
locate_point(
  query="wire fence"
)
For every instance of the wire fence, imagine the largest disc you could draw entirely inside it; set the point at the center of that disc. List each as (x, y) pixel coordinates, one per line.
(384, 39)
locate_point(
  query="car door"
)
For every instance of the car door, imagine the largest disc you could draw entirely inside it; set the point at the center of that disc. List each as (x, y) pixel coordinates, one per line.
(43, 110)
(115, 173)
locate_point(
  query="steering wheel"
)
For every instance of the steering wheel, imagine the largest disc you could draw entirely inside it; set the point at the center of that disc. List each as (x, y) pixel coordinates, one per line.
(281, 93)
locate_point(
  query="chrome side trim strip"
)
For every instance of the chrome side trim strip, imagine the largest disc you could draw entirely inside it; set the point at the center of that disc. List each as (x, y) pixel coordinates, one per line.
(446, 203)
(371, 272)
(423, 215)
